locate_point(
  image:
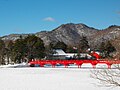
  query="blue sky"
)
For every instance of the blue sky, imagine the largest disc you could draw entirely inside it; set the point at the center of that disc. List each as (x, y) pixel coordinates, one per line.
(31, 16)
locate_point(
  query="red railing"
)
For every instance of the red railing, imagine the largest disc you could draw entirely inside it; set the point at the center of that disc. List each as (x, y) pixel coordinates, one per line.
(41, 63)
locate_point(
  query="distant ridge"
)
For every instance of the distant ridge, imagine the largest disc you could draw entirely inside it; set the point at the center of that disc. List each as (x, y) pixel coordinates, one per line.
(71, 33)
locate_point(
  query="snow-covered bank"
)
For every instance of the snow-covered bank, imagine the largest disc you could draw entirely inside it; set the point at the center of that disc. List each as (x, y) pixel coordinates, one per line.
(14, 65)
(48, 79)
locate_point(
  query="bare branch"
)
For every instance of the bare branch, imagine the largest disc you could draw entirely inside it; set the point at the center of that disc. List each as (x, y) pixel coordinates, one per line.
(107, 77)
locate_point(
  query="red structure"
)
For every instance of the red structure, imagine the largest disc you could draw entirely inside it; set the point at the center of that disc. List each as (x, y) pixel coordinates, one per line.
(96, 55)
(41, 63)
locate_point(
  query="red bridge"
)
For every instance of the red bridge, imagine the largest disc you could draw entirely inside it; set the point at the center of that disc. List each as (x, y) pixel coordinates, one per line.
(79, 63)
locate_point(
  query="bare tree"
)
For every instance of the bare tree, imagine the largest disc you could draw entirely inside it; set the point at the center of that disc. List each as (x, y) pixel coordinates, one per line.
(107, 77)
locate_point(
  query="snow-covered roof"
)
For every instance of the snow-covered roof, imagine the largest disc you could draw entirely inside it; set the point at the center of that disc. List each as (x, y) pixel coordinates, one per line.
(59, 52)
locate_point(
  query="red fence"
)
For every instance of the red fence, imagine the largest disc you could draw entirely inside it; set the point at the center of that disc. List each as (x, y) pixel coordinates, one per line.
(76, 62)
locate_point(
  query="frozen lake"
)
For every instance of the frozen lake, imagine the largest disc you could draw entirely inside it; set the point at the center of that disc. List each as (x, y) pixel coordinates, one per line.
(48, 79)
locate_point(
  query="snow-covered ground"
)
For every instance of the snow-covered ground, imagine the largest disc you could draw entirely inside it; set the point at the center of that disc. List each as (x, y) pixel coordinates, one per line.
(14, 65)
(48, 79)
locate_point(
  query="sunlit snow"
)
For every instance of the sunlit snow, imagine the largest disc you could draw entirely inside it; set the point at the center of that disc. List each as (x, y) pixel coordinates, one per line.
(48, 79)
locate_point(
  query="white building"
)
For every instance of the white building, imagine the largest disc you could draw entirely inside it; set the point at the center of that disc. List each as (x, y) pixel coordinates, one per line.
(60, 54)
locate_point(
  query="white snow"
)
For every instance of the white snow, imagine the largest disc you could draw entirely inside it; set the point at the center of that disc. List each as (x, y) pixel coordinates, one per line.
(14, 65)
(114, 32)
(48, 79)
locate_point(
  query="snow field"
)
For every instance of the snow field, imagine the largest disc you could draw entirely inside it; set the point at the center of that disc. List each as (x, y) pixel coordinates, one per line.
(47, 79)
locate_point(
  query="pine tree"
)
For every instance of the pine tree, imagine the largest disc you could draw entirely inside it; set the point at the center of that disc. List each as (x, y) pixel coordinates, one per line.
(2, 52)
(60, 45)
(107, 48)
(49, 51)
(83, 44)
(19, 50)
(8, 51)
(35, 47)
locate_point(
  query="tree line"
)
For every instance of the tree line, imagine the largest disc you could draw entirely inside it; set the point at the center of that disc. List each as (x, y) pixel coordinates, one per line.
(21, 50)
(32, 47)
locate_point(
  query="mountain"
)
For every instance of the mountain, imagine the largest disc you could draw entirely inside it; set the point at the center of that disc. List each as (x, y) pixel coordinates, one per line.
(109, 34)
(67, 33)
(71, 33)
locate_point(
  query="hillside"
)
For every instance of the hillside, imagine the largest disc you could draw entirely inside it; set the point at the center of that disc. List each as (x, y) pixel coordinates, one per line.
(68, 33)
(71, 33)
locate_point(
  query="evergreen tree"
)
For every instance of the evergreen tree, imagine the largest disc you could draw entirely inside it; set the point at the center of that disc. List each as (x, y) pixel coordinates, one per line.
(60, 45)
(49, 51)
(8, 52)
(35, 47)
(71, 49)
(2, 52)
(19, 50)
(83, 44)
(107, 48)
